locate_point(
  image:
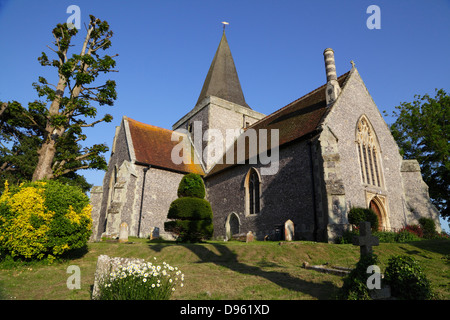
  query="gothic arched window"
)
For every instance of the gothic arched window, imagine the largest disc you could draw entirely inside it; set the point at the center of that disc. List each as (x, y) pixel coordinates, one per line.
(368, 153)
(252, 192)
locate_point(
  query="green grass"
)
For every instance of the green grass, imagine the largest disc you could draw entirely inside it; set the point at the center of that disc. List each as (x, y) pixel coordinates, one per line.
(226, 270)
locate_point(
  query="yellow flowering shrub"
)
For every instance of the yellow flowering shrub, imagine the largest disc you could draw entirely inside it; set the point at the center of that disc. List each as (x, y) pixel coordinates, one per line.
(43, 219)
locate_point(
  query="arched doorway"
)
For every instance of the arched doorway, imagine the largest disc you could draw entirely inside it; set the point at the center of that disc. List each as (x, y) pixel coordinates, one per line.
(232, 225)
(376, 207)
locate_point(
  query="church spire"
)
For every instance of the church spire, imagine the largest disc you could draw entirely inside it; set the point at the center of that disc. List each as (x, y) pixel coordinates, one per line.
(222, 80)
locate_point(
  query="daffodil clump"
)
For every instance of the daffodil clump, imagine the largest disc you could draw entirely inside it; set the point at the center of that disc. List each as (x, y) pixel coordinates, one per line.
(43, 219)
(141, 281)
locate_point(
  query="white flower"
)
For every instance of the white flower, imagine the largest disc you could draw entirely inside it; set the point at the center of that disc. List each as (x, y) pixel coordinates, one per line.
(144, 280)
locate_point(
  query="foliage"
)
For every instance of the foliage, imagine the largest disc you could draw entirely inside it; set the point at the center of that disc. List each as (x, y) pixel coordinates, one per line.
(414, 229)
(191, 185)
(43, 140)
(401, 236)
(358, 214)
(191, 215)
(43, 219)
(355, 284)
(422, 132)
(406, 279)
(428, 226)
(190, 208)
(141, 281)
(406, 236)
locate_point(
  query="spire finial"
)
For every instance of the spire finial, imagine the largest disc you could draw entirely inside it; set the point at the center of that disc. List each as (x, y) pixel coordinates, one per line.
(224, 25)
(353, 63)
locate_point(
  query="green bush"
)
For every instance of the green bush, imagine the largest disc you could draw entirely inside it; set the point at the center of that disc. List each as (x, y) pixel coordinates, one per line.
(355, 284)
(428, 227)
(191, 185)
(406, 279)
(347, 237)
(190, 208)
(406, 236)
(190, 230)
(386, 236)
(43, 219)
(191, 215)
(358, 214)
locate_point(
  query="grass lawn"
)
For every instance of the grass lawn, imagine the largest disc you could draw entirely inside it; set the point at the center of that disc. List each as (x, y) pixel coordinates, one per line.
(226, 270)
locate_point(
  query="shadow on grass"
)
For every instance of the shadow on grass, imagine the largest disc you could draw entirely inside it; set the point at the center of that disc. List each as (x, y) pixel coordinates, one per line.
(228, 259)
(440, 246)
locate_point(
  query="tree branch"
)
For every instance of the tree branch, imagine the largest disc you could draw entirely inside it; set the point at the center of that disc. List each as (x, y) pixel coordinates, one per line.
(57, 174)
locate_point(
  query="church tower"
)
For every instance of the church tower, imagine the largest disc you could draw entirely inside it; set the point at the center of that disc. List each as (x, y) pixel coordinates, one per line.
(221, 105)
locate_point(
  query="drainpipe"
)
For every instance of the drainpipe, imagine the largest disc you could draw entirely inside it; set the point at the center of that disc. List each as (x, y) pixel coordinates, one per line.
(142, 200)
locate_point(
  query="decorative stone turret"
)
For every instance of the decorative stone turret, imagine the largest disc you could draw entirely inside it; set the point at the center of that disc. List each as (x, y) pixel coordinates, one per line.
(333, 89)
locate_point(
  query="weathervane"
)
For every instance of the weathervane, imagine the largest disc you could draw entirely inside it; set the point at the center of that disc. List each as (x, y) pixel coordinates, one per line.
(224, 25)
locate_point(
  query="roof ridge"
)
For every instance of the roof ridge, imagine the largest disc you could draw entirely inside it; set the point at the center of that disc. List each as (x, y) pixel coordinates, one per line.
(273, 114)
(150, 125)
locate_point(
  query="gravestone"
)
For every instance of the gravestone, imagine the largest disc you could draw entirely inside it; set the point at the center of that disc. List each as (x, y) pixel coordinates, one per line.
(250, 237)
(366, 240)
(154, 233)
(106, 265)
(289, 230)
(123, 232)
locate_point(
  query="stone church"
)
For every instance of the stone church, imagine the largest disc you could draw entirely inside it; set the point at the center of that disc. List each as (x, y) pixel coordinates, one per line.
(328, 151)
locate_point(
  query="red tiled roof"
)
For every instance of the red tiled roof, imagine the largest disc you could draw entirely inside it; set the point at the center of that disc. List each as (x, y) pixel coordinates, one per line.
(298, 119)
(153, 145)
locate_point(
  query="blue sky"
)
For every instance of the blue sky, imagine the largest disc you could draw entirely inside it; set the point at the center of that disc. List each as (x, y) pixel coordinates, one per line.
(165, 49)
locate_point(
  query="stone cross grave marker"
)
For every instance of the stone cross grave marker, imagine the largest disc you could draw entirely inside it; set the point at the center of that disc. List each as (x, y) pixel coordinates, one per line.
(289, 230)
(366, 240)
(123, 232)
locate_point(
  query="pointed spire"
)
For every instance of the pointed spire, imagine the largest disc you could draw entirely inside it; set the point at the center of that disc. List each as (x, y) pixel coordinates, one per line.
(222, 80)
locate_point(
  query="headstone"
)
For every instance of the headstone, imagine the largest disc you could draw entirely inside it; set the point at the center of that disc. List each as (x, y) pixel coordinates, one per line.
(123, 232)
(366, 241)
(106, 265)
(289, 230)
(250, 237)
(154, 233)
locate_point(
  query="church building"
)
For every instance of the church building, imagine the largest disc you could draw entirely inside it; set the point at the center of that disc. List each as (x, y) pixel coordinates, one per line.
(309, 162)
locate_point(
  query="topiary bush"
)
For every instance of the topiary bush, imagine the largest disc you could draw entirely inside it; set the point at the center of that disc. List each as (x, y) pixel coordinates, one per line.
(190, 214)
(43, 219)
(358, 214)
(406, 279)
(191, 185)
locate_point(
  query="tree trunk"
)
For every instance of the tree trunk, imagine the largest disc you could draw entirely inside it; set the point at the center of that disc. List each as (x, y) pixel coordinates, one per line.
(44, 166)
